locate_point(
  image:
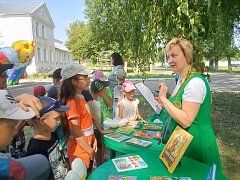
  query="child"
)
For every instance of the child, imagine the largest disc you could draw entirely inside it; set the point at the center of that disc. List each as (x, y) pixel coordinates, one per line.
(81, 142)
(117, 91)
(56, 77)
(101, 113)
(32, 167)
(45, 141)
(39, 91)
(106, 96)
(128, 107)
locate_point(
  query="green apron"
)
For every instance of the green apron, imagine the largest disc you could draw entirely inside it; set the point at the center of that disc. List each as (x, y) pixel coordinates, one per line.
(203, 146)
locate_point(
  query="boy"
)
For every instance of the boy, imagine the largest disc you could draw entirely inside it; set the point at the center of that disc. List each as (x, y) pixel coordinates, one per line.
(101, 112)
(117, 91)
(56, 76)
(22, 168)
(45, 141)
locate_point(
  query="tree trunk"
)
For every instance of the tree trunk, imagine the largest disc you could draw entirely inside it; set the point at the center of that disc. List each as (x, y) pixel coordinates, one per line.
(211, 64)
(229, 64)
(216, 64)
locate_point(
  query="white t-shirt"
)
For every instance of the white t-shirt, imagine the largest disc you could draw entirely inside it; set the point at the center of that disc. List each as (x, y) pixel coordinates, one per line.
(129, 108)
(195, 90)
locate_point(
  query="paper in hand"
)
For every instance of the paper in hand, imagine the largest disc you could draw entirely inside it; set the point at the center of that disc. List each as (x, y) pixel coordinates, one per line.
(148, 95)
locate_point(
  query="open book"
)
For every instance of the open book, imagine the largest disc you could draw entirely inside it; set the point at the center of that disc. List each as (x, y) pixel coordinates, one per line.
(117, 137)
(175, 148)
(139, 142)
(129, 163)
(148, 95)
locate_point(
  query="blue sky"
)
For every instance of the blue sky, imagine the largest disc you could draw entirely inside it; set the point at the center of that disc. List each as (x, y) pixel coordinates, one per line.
(63, 12)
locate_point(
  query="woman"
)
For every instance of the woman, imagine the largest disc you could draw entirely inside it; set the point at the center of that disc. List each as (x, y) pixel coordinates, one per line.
(190, 104)
(118, 64)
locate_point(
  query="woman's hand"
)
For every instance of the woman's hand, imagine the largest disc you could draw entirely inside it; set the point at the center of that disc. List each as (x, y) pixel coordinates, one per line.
(162, 95)
(27, 100)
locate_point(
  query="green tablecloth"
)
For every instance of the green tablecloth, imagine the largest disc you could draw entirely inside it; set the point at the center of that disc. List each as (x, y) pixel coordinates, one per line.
(189, 168)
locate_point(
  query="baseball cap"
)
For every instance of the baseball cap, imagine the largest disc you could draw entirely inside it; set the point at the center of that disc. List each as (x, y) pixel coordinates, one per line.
(9, 109)
(56, 74)
(97, 85)
(128, 86)
(121, 74)
(50, 104)
(97, 74)
(71, 70)
(39, 91)
(4, 67)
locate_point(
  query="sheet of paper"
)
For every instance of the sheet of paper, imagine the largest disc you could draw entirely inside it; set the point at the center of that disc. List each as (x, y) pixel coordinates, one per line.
(148, 95)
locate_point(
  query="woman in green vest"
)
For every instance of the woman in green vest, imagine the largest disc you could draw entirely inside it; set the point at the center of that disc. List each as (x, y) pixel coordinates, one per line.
(190, 104)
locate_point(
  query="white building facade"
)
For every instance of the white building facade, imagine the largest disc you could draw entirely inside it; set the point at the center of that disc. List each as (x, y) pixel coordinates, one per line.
(32, 21)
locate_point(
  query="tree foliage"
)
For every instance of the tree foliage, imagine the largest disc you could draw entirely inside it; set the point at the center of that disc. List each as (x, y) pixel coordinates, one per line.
(139, 29)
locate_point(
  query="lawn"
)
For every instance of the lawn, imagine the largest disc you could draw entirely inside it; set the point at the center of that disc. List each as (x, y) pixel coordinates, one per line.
(225, 119)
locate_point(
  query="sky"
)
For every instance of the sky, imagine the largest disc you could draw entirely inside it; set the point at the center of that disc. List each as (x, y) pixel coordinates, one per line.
(63, 12)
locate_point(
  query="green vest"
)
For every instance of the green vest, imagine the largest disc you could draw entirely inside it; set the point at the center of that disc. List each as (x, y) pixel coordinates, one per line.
(203, 146)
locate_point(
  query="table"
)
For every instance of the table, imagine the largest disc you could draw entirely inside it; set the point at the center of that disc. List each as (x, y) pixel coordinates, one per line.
(189, 168)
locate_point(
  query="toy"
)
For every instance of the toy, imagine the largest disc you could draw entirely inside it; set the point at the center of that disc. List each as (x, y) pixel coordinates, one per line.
(20, 55)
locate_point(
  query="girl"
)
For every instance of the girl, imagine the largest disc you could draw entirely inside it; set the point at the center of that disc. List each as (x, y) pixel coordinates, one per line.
(81, 142)
(128, 107)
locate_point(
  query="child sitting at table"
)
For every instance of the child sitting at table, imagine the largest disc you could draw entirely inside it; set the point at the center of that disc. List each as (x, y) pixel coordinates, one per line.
(128, 107)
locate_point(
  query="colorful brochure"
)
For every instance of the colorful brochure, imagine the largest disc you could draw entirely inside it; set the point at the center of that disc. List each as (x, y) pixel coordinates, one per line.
(139, 142)
(175, 148)
(125, 130)
(148, 134)
(129, 163)
(121, 177)
(117, 137)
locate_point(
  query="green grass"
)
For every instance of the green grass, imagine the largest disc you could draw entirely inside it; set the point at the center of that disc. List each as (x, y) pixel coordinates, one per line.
(225, 119)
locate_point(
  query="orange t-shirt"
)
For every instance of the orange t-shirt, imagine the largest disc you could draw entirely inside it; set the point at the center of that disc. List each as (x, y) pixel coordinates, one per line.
(80, 109)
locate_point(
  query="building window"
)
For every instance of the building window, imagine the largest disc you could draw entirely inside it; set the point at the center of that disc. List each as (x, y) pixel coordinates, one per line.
(39, 54)
(45, 55)
(50, 56)
(37, 29)
(43, 32)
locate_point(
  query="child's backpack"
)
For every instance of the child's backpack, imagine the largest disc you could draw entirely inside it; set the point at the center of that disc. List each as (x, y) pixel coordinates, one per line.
(10, 169)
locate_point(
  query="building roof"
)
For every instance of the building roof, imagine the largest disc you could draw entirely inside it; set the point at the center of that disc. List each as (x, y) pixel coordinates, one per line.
(19, 8)
(60, 45)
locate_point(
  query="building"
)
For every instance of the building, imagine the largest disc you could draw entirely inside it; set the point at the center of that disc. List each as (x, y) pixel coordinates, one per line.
(32, 21)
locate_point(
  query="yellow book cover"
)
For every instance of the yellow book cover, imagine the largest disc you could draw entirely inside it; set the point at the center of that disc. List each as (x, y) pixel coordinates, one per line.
(175, 148)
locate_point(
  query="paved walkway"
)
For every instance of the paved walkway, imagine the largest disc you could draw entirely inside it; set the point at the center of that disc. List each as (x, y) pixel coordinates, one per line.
(219, 82)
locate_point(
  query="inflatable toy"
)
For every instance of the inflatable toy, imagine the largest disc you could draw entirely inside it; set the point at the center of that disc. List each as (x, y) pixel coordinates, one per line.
(20, 55)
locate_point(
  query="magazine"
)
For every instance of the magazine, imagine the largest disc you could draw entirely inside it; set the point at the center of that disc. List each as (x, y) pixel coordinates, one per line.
(139, 142)
(117, 137)
(153, 127)
(148, 95)
(129, 163)
(175, 148)
(125, 130)
(169, 178)
(121, 177)
(148, 134)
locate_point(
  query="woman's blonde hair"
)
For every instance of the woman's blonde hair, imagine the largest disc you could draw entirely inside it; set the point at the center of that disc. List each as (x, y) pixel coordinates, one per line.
(185, 46)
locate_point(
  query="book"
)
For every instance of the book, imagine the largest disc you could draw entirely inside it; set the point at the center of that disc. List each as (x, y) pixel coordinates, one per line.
(125, 130)
(148, 95)
(139, 142)
(175, 148)
(148, 134)
(129, 163)
(153, 127)
(117, 137)
(169, 178)
(121, 177)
